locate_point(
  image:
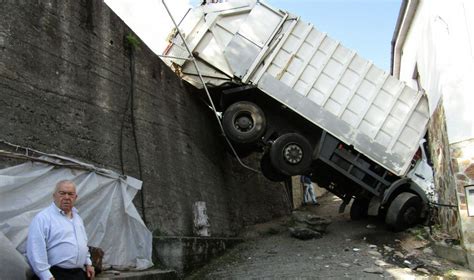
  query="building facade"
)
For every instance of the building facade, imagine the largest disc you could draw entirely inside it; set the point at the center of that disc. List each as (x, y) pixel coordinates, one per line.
(433, 51)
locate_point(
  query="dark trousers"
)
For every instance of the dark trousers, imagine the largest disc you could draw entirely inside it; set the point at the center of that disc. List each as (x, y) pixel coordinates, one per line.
(66, 274)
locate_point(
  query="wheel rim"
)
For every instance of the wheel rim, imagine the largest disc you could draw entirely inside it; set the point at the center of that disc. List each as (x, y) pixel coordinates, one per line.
(243, 122)
(292, 153)
(410, 215)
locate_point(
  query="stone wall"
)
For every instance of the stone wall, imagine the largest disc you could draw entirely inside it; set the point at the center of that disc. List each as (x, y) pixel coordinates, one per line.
(440, 155)
(66, 87)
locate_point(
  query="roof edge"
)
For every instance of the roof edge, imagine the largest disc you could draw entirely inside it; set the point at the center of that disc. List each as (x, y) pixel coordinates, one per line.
(401, 15)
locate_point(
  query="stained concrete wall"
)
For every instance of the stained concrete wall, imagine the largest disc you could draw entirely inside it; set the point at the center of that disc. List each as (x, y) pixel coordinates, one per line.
(65, 88)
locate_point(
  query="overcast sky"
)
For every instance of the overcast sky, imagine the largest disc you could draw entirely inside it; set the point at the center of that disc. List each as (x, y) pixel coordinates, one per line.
(365, 26)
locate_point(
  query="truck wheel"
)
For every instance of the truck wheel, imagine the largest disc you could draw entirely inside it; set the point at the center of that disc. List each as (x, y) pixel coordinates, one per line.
(359, 209)
(269, 171)
(404, 211)
(244, 122)
(291, 154)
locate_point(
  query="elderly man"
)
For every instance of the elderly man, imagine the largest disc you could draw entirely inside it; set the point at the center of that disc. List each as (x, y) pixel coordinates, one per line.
(57, 241)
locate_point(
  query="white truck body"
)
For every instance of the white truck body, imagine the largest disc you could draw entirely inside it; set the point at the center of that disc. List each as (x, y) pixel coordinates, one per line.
(249, 42)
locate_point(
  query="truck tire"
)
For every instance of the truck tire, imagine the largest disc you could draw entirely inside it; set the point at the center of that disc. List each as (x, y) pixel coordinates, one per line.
(269, 171)
(291, 154)
(404, 211)
(244, 122)
(359, 209)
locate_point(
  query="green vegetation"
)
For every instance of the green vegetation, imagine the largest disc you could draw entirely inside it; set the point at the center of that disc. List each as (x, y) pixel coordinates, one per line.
(132, 41)
(420, 233)
(450, 274)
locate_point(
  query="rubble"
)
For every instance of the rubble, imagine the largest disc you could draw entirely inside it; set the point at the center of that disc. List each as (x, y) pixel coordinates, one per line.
(311, 221)
(304, 233)
(399, 254)
(374, 253)
(307, 225)
(381, 263)
(423, 270)
(317, 223)
(428, 251)
(387, 248)
(373, 270)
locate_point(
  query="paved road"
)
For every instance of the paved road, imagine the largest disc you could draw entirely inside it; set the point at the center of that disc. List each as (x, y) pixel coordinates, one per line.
(344, 252)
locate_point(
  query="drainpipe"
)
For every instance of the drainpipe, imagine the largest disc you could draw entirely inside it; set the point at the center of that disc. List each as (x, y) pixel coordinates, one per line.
(405, 18)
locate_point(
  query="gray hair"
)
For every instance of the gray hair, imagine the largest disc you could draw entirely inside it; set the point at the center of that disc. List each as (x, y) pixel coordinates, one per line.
(58, 184)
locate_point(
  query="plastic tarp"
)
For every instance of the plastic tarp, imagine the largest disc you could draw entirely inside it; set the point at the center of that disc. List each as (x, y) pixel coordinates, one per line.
(104, 202)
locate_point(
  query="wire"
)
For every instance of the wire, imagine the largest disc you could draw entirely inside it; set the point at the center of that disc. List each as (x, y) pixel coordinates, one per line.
(134, 129)
(53, 159)
(444, 205)
(122, 166)
(192, 58)
(449, 205)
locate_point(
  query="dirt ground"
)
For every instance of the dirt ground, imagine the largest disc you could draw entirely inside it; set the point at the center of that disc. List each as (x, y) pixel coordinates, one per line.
(348, 250)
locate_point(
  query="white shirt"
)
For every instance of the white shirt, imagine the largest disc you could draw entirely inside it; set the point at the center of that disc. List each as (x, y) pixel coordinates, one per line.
(56, 240)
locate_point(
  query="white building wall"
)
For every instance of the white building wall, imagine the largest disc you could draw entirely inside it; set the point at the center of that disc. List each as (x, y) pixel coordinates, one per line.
(441, 43)
(440, 46)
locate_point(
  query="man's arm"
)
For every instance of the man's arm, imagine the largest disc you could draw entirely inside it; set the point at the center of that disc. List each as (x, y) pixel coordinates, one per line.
(89, 268)
(36, 249)
(90, 271)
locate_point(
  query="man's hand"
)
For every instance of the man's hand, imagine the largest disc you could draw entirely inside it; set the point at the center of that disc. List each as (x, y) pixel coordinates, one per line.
(90, 272)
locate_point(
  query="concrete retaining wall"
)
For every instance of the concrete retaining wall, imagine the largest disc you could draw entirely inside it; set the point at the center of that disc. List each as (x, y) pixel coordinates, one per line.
(187, 253)
(65, 88)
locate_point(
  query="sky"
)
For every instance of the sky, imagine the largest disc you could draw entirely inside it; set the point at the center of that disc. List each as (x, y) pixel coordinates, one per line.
(365, 26)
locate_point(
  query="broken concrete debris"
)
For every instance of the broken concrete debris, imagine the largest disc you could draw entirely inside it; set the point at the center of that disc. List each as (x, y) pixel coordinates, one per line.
(387, 248)
(428, 251)
(381, 263)
(374, 253)
(423, 270)
(307, 225)
(304, 233)
(399, 254)
(373, 270)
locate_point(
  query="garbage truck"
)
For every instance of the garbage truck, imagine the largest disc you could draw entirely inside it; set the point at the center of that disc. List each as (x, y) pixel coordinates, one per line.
(310, 106)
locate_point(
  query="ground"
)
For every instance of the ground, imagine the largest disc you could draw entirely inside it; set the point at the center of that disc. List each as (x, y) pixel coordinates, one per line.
(348, 250)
